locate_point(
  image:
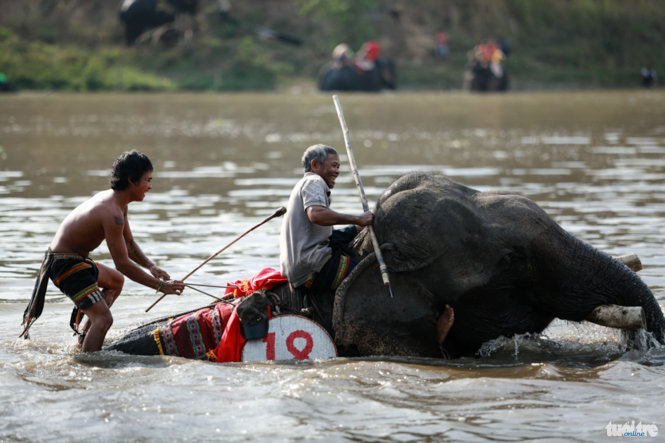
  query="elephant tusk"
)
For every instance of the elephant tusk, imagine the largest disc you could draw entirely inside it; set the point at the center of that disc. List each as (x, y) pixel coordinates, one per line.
(621, 317)
(632, 261)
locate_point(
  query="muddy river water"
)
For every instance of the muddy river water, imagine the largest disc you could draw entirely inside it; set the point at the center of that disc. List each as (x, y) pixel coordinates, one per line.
(595, 161)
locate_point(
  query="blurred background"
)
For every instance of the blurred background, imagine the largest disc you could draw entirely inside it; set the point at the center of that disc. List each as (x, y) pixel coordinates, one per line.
(285, 45)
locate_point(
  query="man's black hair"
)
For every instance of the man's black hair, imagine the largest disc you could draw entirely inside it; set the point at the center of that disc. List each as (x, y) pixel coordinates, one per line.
(130, 166)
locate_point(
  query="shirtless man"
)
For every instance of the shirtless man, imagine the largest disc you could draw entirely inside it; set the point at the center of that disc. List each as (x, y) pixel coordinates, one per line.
(93, 287)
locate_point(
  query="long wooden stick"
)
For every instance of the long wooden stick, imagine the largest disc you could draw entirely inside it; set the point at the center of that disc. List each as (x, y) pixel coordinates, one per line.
(363, 197)
(281, 211)
(202, 292)
(212, 286)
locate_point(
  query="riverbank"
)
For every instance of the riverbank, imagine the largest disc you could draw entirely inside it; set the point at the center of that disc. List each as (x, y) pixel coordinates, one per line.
(77, 45)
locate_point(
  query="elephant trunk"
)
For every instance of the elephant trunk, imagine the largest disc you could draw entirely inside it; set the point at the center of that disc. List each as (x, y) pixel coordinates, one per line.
(587, 278)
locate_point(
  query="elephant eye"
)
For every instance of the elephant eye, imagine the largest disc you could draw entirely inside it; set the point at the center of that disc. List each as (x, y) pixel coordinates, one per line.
(512, 257)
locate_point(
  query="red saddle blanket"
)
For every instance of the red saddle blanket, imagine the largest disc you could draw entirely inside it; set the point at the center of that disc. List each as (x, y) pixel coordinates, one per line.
(198, 335)
(213, 333)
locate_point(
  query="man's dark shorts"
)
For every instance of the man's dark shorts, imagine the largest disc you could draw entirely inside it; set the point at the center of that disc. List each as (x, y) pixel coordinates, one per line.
(77, 278)
(340, 264)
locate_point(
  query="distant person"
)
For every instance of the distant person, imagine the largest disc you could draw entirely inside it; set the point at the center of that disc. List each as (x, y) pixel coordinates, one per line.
(342, 55)
(5, 86)
(367, 55)
(495, 63)
(504, 46)
(648, 77)
(442, 45)
(92, 286)
(224, 11)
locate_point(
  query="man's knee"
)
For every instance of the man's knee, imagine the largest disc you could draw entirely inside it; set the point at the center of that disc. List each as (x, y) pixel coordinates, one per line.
(110, 279)
(104, 322)
(117, 281)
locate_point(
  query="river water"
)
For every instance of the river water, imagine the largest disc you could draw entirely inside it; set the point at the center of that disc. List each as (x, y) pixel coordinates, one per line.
(594, 160)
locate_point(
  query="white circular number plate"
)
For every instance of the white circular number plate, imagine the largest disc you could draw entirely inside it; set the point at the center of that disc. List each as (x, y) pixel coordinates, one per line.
(291, 337)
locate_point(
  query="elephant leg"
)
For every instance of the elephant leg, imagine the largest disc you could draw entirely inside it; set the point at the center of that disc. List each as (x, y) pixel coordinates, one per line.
(484, 317)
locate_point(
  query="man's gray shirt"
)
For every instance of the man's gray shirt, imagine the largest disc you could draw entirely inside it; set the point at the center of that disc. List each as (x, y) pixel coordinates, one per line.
(304, 245)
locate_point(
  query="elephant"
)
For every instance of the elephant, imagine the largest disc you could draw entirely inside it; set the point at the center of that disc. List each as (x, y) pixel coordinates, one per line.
(496, 258)
(139, 16)
(501, 263)
(350, 78)
(481, 78)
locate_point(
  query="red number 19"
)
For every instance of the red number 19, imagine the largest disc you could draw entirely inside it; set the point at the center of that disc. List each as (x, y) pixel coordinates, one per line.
(298, 354)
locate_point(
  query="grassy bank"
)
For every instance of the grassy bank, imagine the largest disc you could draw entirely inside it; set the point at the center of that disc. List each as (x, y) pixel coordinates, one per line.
(78, 44)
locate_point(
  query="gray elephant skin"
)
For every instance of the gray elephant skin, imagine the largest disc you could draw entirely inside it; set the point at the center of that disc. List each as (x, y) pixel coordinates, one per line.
(498, 259)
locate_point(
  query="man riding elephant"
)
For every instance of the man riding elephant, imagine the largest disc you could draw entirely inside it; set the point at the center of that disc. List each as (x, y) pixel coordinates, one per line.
(314, 257)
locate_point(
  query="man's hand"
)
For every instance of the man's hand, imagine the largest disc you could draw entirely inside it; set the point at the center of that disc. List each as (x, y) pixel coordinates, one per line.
(172, 287)
(366, 219)
(159, 273)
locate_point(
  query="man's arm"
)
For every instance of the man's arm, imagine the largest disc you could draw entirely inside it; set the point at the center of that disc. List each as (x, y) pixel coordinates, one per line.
(114, 225)
(136, 254)
(327, 217)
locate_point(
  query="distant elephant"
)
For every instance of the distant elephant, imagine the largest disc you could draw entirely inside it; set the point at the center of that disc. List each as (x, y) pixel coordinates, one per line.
(351, 78)
(139, 16)
(498, 259)
(483, 79)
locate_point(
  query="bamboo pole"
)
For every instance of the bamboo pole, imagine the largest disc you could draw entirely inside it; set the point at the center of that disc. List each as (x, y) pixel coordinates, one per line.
(363, 198)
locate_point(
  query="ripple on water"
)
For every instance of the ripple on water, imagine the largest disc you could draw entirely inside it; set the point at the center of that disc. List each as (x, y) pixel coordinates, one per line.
(225, 162)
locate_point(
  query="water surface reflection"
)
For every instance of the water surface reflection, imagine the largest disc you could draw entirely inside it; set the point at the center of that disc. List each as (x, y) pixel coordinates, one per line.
(593, 160)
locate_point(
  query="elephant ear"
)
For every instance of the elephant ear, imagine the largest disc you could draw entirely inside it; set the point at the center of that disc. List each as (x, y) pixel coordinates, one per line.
(423, 216)
(368, 321)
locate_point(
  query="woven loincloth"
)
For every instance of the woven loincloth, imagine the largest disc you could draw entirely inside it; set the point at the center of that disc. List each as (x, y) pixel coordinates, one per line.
(74, 275)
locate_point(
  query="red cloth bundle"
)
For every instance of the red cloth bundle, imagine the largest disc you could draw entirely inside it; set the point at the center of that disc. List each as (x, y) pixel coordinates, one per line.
(266, 278)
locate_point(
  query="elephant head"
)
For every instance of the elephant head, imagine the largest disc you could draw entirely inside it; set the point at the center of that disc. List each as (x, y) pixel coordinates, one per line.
(498, 259)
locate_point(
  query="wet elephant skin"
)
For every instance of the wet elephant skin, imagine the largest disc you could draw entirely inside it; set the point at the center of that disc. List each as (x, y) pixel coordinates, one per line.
(498, 259)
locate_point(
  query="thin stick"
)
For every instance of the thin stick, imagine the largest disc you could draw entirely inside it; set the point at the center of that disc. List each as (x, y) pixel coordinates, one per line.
(281, 211)
(363, 197)
(203, 292)
(212, 286)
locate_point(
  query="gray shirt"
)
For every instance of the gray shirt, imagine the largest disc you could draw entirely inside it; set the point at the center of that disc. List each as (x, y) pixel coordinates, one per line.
(304, 245)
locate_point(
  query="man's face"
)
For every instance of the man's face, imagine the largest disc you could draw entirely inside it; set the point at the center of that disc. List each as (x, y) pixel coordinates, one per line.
(329, 170)
(142, 186)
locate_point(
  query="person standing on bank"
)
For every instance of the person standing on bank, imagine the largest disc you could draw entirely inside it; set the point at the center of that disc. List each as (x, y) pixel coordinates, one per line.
(93, 287)
(312, 253)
